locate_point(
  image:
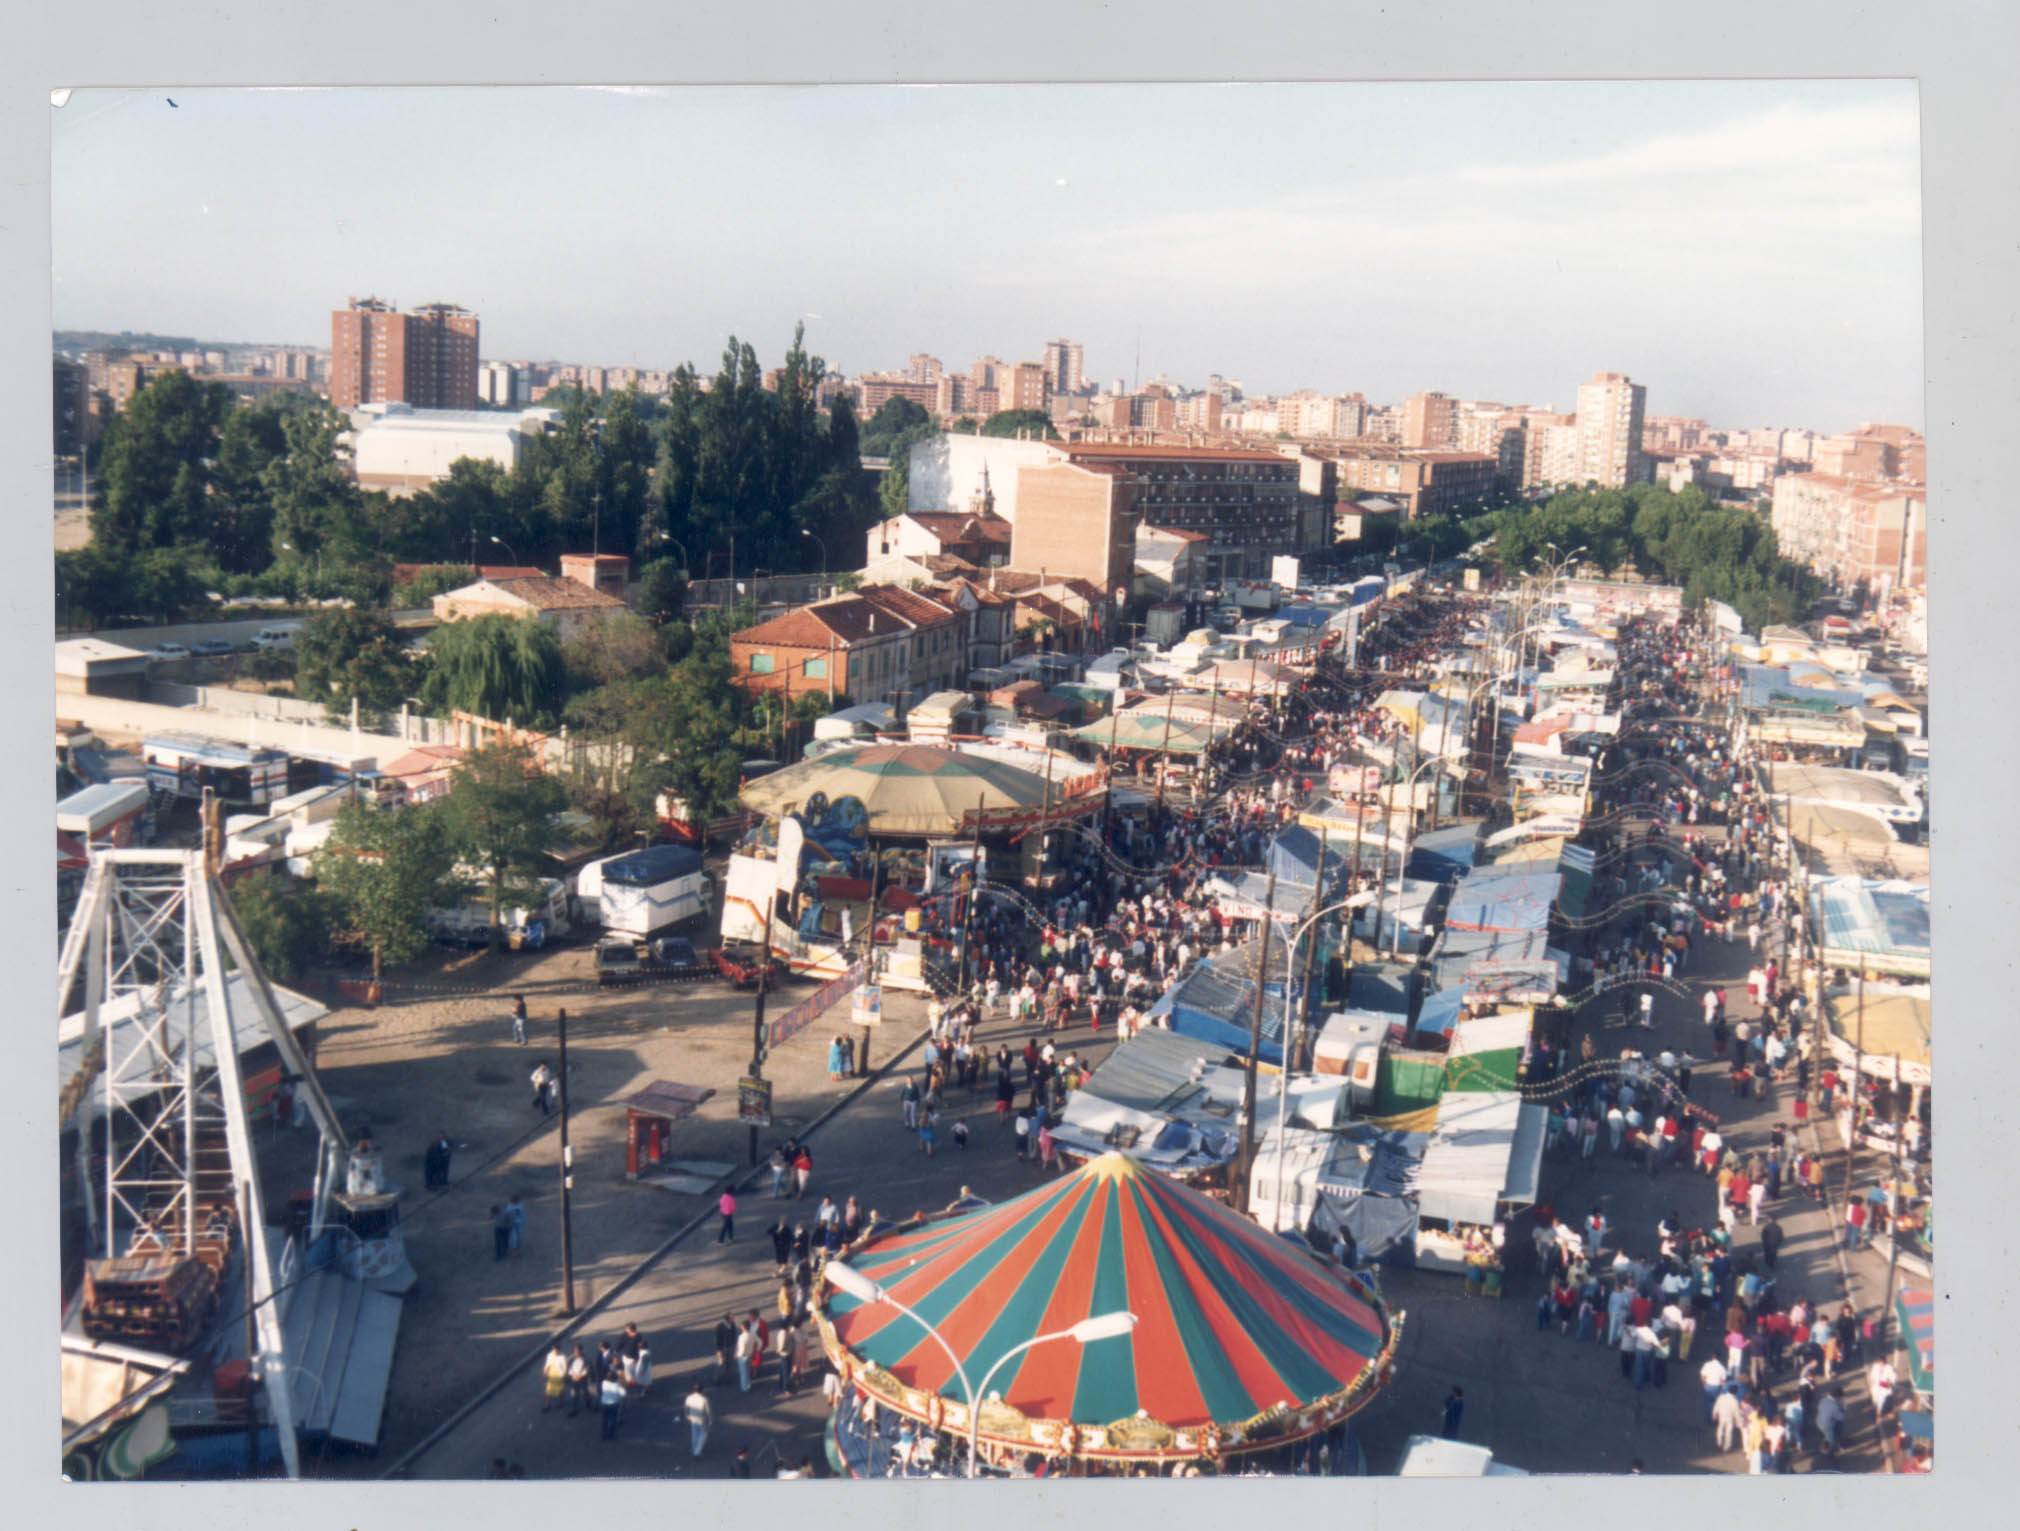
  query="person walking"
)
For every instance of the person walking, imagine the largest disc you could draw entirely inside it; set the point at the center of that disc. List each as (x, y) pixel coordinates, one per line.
(803, 1172)
(435, 1169)
(780, 1167)
(1830, 1421)
(782, 1244)
(700, 1419)
(554, 1378)
(543, 1085)
(908, 1101)
(578, 1381)
(610, 1393)
(1455, 1407)
(746, 1353)
(725, 1347)
(519, 1019)
(1770, 1242)
(1726, 1416)
(515, 1216)
(501, 1231)
(928, 1131)
(726, 1205)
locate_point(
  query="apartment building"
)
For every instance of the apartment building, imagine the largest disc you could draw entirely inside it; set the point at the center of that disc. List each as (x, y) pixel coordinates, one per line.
(1063, 366)
(1431, 422)
(1850, 530)
(427, 358)
(1423, 483)
(1610, 409)
(1075, 519)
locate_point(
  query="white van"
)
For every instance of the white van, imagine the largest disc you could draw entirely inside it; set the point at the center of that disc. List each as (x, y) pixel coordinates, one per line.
(276, 638)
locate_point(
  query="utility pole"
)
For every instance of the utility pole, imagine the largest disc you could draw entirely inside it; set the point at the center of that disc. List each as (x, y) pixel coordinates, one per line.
(567, 1174)
(1164, 750)
(1852, 1101)
(1245, 1161)
(1312, 951)
(757, 1034)
(974, 893)
(870, 951)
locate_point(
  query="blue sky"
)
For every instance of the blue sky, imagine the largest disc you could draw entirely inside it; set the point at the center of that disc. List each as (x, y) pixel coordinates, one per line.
(1750, 251)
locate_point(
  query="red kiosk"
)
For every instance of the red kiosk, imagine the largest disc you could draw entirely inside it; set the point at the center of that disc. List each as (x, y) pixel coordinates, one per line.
(649, 1118)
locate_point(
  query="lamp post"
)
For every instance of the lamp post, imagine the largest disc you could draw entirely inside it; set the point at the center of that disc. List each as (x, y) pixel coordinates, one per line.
(509, 550)
(1102, 1326)
(1409, 823)
(808, 533)
(852, 1282)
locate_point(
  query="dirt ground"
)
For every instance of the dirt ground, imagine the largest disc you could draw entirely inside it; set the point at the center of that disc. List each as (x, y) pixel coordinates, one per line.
(445, 1060)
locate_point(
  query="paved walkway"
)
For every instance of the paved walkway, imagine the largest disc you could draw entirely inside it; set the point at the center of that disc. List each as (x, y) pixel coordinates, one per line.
(863, 1150)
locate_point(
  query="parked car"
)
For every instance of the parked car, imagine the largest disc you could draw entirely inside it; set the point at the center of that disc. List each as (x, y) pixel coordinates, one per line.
(269, 638)
(622, 960)
(167, 653)
(213, 648)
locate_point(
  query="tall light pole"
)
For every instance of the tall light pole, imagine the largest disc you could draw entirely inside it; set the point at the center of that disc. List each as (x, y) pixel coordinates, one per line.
(510, 550)
(806, 532)
(1103, 1326)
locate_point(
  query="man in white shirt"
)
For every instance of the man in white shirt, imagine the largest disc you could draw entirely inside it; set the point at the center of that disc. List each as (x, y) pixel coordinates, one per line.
(700, 1419)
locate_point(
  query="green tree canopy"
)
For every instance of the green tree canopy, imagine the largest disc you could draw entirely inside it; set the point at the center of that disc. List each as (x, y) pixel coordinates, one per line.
(156, 462)
(352, 652)
(497, 667)
(662, 589)
(384, 870)
(287, 925)
(499, 821)
(1034, 423)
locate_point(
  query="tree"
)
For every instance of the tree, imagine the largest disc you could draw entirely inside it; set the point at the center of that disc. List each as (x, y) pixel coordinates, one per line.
(894, 416)
(384, 870)
(348, 653)
(156, 463)
(317, 509)
(618, 648)
(287, 924)
(497, 667)
(662, 590)
(434, 580)
(499, 820)
(685, 729)
(1034, 423)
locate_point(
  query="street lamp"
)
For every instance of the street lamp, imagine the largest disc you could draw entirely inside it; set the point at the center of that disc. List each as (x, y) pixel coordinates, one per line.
(1104, 1326)
(806, 532)
(510, 550)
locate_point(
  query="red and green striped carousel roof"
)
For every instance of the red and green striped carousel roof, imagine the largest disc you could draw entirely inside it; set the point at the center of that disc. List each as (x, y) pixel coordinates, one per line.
(1231, 1321)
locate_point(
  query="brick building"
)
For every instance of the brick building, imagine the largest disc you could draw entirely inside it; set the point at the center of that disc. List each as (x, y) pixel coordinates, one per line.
(1610, 410)
(1422, 483)
(1431, 420)
(1849, 530)
(874, 644)
(379, 355)
(1075, 519)
(1244, 500)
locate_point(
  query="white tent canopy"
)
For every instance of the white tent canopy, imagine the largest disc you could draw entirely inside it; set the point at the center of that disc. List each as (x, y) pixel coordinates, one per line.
(1487, 1149)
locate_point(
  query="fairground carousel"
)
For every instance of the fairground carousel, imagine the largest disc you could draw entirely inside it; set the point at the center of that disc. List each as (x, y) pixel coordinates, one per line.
(1114, 1321)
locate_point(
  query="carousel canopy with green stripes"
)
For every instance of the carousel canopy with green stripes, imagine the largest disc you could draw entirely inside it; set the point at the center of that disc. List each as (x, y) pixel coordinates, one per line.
(1231, 1320)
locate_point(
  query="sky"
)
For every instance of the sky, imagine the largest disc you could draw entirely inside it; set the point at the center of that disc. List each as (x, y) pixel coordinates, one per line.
(1750, 251)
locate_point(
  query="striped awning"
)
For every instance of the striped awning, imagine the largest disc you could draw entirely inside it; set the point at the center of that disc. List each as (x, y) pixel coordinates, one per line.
(1241, 1337)
(1915, 1307)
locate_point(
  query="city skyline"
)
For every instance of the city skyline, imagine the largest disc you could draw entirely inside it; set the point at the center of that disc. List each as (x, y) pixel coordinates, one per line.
(1755, 260)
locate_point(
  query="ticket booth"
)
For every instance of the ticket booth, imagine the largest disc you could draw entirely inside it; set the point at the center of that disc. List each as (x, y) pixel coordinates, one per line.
(649, 1118)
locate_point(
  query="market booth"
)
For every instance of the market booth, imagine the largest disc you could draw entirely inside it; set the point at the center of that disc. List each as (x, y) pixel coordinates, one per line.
(1241, 1342)
(1483, 1162)
(648, 1121)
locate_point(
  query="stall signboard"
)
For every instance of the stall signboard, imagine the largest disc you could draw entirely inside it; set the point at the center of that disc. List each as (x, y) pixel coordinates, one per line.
(868, 1007)
(754, 1102)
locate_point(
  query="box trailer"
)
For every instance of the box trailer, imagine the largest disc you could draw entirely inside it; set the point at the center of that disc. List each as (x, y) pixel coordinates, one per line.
(645, 892)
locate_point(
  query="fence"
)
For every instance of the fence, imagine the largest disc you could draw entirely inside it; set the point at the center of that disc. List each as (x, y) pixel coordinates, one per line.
(808, 1010)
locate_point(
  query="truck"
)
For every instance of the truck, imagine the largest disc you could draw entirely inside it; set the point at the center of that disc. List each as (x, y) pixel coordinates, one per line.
(651, 890)
(526, 927)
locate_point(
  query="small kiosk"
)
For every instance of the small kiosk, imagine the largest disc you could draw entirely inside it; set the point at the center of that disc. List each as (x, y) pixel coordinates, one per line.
(648, 1121)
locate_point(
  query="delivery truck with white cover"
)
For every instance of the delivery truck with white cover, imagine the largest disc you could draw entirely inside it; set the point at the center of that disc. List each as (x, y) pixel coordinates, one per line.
(651, 890)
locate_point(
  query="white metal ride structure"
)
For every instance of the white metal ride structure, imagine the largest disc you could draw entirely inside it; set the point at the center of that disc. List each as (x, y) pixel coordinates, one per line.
(150, 942)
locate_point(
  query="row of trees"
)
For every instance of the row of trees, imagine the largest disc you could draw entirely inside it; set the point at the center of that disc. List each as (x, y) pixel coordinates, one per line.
(196, 492)
(1715, 552)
